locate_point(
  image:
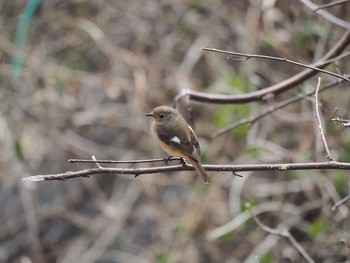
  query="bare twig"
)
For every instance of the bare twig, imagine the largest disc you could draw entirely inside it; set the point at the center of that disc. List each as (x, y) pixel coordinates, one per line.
(339, 118)
(249, 56)
(340, 202)
(176, 168)
(125, 161)
(334, 3)
(282, 233)
(251, 120)
(272, 90)
(317, 112)
(326, 15)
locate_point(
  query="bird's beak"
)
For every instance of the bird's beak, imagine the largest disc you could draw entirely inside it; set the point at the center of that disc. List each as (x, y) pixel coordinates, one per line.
(149, 114)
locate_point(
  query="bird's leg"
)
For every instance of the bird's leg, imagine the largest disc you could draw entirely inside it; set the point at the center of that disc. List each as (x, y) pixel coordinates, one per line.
(182, 161)
(167, 159)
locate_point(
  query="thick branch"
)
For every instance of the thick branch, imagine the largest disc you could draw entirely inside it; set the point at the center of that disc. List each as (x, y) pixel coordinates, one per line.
(272, 90)
(177, 168)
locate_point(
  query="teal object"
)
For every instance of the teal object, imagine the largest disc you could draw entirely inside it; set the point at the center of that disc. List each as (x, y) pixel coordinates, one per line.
(21, 35)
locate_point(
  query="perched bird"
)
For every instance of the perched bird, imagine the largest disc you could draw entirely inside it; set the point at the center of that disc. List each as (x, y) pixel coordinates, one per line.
(176, 137)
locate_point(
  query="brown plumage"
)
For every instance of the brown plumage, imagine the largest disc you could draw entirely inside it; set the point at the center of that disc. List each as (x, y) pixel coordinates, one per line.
(176, 137)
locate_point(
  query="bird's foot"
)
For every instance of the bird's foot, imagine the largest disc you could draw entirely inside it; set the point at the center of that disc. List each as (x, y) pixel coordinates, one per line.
(182, 161)
(167, 159)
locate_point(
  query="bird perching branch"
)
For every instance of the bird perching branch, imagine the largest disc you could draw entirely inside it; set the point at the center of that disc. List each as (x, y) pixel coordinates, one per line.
(177, 168)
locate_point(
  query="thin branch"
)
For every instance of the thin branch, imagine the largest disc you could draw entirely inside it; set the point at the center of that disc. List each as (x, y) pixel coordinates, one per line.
(340, 202)
(272, 90)
(186, 167)
(282, 233)
(251, 120)
(334, 3)
(317, 111)
(339, 118)
(126, 161)
(249, 56)
(326, 15)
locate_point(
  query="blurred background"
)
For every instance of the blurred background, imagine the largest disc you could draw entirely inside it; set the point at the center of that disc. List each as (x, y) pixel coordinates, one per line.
(77, 78)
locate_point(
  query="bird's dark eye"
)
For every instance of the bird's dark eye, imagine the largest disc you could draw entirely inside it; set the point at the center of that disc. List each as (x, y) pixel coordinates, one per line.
(161, 116)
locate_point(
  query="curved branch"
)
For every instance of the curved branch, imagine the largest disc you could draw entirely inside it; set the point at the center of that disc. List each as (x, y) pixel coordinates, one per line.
(272, 90)
(176, 168)
(325, 14)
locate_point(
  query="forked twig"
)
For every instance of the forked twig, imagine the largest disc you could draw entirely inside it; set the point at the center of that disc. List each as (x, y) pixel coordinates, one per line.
(334, 3)
(282, 233)
(326, 15)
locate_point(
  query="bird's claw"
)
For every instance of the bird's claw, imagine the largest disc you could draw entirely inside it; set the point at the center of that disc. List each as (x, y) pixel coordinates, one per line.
(183, 162)
(167, 159)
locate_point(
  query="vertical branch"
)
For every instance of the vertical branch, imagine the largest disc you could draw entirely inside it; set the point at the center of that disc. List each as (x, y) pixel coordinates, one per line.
(323, 138)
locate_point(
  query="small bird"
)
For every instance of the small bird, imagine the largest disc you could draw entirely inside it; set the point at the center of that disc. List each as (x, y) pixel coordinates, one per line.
(176, 137)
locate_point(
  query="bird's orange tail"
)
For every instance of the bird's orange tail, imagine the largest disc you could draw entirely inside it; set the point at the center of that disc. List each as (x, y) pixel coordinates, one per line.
(200, 170)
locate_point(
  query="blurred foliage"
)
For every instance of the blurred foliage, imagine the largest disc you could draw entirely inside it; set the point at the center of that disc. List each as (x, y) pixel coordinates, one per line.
(340, 179)
(225, 115)
(19, 151)
(266, 258)
(311, 31)
(89, 73)
(163, 258)
(318, 229)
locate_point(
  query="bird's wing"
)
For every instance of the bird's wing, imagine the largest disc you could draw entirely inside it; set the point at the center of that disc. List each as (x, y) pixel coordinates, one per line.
(194, 141)
(177, 139)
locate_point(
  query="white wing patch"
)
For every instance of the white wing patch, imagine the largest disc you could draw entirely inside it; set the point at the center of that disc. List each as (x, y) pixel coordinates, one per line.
(176, 140)
(190, 128)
